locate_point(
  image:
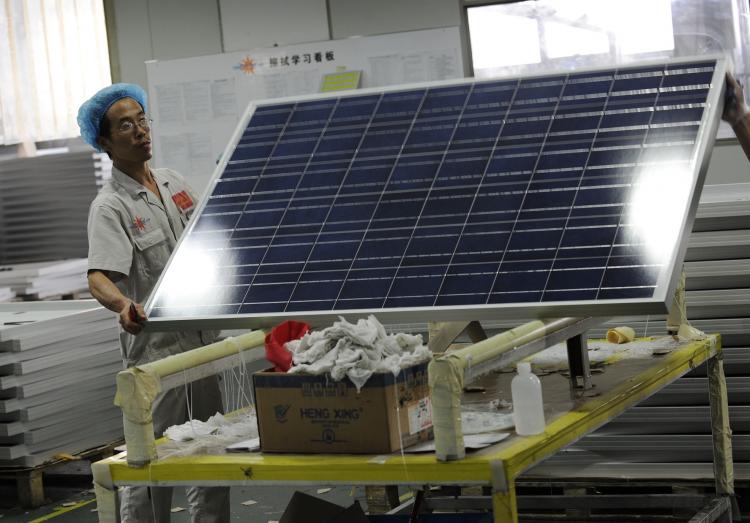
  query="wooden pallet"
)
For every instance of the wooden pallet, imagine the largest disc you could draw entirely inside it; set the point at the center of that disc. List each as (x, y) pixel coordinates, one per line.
(29, 480)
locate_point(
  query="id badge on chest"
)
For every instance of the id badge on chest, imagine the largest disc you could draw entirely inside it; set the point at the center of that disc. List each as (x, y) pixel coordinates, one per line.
(183, 201)
(185, 205)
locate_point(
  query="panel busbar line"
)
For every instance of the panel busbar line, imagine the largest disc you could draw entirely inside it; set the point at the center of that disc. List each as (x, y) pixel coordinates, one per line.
(560, 195)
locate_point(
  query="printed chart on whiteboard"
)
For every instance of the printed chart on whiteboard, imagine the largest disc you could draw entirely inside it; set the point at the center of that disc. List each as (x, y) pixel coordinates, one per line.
(197, 102)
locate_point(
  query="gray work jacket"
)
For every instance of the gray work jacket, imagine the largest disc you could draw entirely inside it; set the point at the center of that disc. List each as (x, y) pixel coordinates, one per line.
(131, 236)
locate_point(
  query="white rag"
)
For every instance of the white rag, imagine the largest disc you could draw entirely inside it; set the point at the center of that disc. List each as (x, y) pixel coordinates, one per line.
(356, 351)
(216, 425)
(208, 437)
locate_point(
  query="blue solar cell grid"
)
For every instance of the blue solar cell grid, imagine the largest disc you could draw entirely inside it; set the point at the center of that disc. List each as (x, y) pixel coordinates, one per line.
(485, 193)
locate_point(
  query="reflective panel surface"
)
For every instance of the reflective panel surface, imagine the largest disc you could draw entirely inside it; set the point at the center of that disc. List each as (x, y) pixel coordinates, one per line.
(560, 195)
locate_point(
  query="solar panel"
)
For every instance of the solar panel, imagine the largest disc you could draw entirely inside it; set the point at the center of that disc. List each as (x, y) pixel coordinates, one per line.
(559, 195)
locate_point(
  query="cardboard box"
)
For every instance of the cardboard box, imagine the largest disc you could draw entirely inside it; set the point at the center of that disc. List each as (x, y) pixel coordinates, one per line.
(301, 413)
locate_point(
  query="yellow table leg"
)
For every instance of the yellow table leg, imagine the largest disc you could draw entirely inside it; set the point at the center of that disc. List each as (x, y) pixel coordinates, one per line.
(504, 507)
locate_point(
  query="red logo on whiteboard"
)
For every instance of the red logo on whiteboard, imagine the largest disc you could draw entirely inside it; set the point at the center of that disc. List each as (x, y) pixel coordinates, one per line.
(183, 200)
(247, 65)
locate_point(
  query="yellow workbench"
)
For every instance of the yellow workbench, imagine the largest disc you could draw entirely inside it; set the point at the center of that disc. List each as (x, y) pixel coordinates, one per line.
(622, 385)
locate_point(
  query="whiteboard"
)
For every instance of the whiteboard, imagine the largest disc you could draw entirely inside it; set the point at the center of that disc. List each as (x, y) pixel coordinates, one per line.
(196, 102)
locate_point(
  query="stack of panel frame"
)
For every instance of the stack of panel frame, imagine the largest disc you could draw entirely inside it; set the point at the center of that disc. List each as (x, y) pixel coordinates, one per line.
(45, 279)
(6, 294)
(58, 362)
(44, 204)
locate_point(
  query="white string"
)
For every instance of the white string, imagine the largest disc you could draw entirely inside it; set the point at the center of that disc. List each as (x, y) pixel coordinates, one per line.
(224, 395)
(188, 402)
(228, 385)
(400, 439)
(240, 385)
(150, 491)
(645, 332)
(236, 388)
(244, 380)
(231, 377)
(230, 389)
(239, 389)
(223, 389)
(238, 398)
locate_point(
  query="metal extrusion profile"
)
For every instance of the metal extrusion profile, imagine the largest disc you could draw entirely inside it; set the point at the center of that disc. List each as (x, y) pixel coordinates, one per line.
(719, 303)
(657, 448)
(722, 216)
(717, 274)
(673, 420)
(570, 465)
(718, 245)
(692, 391)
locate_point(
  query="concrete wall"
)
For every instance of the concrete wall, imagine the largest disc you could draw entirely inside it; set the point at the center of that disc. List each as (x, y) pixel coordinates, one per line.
(162, 30)
(368, 17)
(728, 164)
(168, 29)
(257, 23)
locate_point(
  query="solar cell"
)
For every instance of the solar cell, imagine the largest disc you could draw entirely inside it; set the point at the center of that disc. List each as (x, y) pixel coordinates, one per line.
(558, 195)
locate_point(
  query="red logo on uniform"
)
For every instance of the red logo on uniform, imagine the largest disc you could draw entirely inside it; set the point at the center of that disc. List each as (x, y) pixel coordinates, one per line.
(183, 201)
(140, 224)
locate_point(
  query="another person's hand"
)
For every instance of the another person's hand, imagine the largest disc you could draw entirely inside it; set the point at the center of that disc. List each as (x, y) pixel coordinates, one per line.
(132, 318)
(735, 108)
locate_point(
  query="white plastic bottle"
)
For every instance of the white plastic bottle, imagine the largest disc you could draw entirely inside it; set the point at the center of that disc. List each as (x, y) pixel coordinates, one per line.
(528, 407)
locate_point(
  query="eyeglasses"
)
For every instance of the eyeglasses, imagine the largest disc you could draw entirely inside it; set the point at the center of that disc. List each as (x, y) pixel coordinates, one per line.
(128, 126)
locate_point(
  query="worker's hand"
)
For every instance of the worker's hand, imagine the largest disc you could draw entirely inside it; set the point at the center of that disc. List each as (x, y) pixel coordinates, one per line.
(735, 108)
(132, 318)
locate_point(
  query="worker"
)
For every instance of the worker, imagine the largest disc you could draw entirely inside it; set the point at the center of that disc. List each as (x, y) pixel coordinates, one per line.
(736, 112)
(134, 225)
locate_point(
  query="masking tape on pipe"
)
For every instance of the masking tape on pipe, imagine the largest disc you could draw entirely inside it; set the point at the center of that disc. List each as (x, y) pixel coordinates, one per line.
(136, 391)
(446, 380)
(721, 429)
(620, 335)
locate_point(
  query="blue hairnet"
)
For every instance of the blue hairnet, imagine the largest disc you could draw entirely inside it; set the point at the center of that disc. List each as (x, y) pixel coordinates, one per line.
(92, 111)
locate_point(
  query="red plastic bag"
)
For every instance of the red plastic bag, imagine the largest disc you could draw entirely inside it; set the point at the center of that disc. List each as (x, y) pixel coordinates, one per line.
(276, 353)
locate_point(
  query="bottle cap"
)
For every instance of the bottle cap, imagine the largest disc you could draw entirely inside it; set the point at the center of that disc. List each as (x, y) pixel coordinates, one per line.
(524, 367)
